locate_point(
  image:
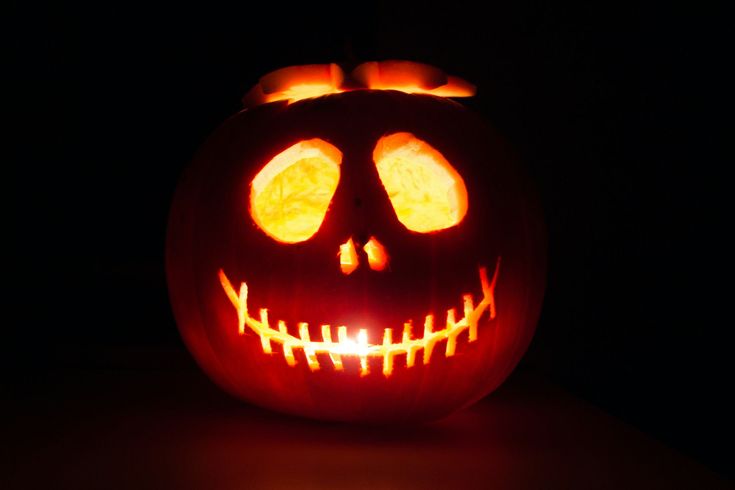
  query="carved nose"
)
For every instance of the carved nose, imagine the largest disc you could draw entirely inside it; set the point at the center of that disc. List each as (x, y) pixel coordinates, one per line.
(348, 260)
(377, 255)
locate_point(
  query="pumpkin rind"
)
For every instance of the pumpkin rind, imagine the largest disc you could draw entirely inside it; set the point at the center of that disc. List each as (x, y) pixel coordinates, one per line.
(212, 230)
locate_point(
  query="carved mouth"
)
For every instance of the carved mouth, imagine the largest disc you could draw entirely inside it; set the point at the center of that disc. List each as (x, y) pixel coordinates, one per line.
(361, 347)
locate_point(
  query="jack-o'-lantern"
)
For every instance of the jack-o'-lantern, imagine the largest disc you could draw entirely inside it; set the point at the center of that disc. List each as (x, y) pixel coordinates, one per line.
(356, 247)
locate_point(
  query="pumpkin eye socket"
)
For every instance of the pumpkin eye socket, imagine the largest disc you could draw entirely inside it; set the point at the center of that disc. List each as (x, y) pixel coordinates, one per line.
(290, 195)
(426, 192)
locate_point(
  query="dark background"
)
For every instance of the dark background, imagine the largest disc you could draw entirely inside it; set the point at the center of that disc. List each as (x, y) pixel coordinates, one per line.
(617, 111)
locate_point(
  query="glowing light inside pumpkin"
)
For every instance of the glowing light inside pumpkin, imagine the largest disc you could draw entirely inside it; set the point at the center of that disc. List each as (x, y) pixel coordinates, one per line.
(426, 192)
(412, 78)
(361, 347)
(295, 83)
(290, 195)
(377, 256)
(348, 257)
(303, 91)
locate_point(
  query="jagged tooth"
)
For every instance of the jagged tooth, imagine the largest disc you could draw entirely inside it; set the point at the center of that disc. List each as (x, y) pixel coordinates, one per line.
(488, 290)
(484, 283)
(410, 351)
(311, 359)
(469, 305)
(232, 295)
(264, 338)
(327, 338)
(470, 317)
(326, 334)
(410, 357)
(451, 318)
(488, 287)
(362, 337)
(243, 298)
(288, 354)
(265, 343)
(451, 345)
(242, 311)
(341, 339)
(387, 354)
(407, 332)
(428, 325)
(362, 342)
(429, 340)
(287, 348)
(451, 333)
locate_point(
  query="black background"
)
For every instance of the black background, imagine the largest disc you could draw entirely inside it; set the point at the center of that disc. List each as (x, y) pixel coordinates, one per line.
(617, 111)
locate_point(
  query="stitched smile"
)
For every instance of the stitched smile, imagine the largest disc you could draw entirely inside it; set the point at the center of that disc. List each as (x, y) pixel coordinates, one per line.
(361, 347)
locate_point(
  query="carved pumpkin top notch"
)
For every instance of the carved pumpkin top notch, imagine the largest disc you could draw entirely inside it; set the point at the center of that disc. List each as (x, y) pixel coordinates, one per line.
(301, 82)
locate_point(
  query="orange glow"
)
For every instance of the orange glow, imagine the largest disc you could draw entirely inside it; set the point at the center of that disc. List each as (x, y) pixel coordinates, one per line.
(411, 77)
(377, 256)
(290, 195)
(348, 257)
(426, 192)
(360, 346)
(296, 83)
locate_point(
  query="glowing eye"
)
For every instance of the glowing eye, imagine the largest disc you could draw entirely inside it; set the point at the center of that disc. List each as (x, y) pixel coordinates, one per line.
(290, 195)
(426, 192)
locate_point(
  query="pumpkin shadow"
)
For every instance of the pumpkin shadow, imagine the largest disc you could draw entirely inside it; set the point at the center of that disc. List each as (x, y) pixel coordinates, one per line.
(163, 428)
(262, 449)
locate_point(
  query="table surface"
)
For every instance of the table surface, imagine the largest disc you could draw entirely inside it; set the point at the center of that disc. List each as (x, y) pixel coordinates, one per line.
(158, 428)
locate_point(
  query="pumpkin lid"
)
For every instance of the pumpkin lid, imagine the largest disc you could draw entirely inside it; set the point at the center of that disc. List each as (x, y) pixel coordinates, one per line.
(300, 82)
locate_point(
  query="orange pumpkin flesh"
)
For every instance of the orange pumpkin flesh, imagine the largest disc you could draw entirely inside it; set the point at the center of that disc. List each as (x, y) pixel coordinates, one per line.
(356, 317)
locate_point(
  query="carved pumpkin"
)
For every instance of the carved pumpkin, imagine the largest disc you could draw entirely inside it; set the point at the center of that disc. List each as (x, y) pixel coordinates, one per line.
(356, 248)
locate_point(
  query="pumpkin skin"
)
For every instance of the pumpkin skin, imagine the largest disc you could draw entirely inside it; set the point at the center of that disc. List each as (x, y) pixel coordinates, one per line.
(211, 229)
